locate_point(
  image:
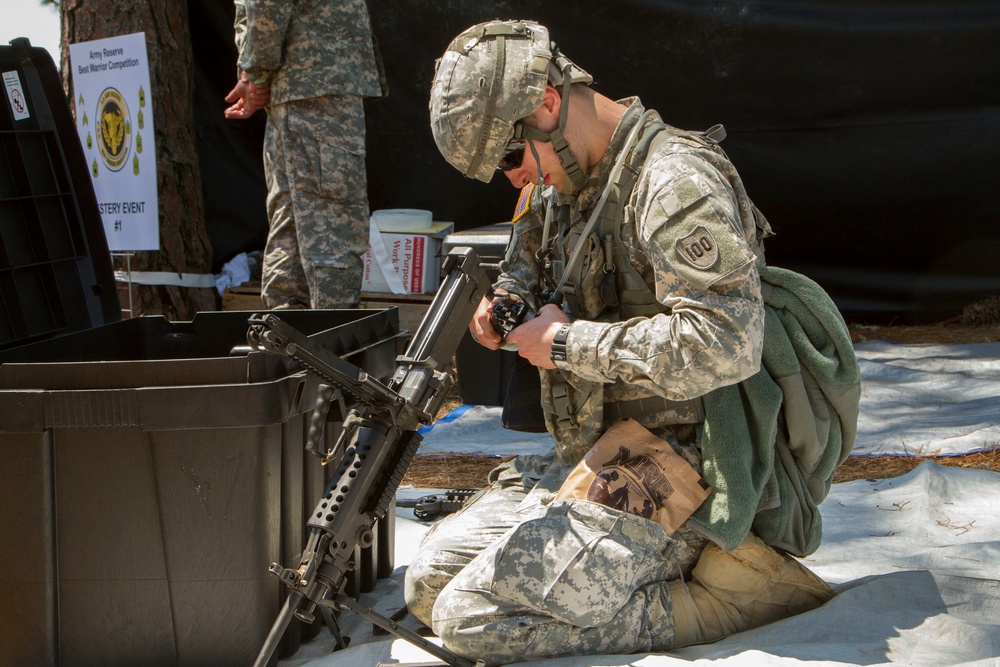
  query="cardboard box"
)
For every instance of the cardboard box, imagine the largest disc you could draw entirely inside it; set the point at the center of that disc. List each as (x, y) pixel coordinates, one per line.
(415, 257)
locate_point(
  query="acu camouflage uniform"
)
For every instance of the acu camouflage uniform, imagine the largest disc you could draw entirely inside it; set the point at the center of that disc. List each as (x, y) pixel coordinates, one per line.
(319, 61)
(518, 576)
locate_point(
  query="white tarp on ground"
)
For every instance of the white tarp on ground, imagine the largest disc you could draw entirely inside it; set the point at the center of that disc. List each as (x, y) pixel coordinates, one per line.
(917, 400)
(922, 400)
(915, 559)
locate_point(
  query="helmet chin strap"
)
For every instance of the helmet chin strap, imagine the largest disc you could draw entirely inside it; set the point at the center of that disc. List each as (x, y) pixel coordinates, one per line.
(566, 158)
(538, 163)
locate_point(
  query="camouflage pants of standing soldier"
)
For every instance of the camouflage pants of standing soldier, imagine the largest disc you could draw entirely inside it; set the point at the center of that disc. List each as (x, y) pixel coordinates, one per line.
(317, 203)
(517, 576)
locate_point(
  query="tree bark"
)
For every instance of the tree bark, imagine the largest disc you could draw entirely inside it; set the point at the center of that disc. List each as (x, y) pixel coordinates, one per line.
(184, 243)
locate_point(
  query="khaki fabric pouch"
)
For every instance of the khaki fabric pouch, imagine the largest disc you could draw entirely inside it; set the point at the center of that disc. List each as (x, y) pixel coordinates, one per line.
(632, 470)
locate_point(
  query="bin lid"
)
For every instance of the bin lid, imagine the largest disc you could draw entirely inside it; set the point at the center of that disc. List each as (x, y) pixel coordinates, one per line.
(56, 274)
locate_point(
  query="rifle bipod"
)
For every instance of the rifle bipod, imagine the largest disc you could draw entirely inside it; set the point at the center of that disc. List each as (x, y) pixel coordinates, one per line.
(344, 602)
(375, 445)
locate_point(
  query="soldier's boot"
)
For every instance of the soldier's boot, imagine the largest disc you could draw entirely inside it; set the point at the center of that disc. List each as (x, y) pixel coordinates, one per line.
(751, 586)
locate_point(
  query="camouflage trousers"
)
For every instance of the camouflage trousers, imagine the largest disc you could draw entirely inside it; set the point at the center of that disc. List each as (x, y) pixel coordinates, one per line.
(317, 203)
(517, 576)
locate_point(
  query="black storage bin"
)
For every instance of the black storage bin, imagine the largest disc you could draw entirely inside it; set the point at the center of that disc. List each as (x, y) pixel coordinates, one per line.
(151, 470)
(150, 492)
(483, 375)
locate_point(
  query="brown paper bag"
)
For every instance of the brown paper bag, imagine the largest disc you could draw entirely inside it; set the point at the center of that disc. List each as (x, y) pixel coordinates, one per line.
(631, 470)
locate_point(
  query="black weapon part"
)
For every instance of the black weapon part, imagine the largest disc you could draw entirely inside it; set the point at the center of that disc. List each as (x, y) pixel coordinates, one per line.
(507, 314)
(376, 443)
(431, 506)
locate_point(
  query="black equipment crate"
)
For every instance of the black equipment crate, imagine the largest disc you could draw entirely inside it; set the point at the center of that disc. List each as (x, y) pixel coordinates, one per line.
(144, 494)
(55, 270)
(151, 470)
(483, 375)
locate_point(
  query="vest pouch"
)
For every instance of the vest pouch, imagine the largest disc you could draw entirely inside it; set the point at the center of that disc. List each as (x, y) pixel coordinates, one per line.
(609, 291)
(522, 406)
(592, 290)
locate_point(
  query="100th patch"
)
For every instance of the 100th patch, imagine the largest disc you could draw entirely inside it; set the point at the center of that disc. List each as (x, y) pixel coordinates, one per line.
(698, 248)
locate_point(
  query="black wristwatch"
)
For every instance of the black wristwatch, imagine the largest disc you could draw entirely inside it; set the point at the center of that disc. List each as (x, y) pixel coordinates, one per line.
(559, 344)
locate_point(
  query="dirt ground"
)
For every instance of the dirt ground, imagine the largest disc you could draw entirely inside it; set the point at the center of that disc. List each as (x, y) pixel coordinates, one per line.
(457, 471)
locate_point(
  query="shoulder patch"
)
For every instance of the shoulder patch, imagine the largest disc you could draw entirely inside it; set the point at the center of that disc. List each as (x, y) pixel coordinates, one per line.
(699, 248)
(523, 202)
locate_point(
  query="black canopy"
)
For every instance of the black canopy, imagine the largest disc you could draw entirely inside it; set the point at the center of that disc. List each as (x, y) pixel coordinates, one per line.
(866, 131)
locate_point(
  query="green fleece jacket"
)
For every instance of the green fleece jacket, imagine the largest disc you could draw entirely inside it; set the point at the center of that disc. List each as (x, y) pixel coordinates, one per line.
(773, 441)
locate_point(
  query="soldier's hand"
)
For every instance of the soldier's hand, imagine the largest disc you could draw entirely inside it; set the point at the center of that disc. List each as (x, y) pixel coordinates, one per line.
(481, 328)
(246, 99)
(534, 337)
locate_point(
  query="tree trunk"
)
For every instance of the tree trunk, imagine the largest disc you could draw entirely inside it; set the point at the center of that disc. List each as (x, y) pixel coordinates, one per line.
(184, 244)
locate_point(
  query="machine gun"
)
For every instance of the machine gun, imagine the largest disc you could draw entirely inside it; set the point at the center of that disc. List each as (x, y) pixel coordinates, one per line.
(373, 450)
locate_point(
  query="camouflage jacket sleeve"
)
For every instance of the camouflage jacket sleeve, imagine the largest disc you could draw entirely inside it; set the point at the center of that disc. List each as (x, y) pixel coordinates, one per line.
(687, 230)
(240, 25)
(261, 26)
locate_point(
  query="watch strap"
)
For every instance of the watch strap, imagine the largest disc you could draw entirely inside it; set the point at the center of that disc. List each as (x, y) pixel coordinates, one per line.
(559, 343)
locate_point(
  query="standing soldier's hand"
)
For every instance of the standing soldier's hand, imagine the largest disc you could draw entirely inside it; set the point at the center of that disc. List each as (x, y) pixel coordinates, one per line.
(246, 99)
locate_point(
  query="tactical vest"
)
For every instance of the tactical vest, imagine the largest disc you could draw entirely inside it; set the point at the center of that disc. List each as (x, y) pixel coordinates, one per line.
(605, 270)
(602, 284)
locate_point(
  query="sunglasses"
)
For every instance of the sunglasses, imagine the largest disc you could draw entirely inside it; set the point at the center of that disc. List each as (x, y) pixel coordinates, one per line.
(512, 157)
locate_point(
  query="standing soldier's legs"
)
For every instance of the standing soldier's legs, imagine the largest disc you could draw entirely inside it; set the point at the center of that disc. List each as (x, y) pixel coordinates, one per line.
(283, 282)
(330, 193)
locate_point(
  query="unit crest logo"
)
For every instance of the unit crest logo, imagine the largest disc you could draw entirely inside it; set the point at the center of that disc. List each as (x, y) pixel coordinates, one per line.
(114, 129)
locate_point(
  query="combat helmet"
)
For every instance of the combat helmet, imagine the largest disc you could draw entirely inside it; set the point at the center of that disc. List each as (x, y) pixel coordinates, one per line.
(491, 76)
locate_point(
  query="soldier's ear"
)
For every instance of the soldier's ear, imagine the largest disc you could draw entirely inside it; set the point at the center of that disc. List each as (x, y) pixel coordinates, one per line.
(546, 117)
(551, 101)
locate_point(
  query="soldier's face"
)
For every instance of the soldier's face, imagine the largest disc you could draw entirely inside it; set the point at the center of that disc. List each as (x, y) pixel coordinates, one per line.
(547, 170)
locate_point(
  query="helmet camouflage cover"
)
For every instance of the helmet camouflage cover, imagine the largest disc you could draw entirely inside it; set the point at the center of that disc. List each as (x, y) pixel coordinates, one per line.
(491, 76)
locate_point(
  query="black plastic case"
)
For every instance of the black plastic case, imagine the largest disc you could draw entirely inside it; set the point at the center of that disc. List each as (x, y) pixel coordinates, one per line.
(56, 275)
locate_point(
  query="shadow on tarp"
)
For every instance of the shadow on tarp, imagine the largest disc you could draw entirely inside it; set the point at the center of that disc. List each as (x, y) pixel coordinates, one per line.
(868, 622)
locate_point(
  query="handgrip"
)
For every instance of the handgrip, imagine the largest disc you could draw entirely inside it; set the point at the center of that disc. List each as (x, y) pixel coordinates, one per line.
(315, 443)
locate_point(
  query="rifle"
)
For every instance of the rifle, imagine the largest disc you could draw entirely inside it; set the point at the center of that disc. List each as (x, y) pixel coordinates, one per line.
(374, 448)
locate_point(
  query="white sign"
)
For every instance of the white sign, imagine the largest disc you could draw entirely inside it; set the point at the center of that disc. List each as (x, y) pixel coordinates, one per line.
(15, 95)
(114, 117)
